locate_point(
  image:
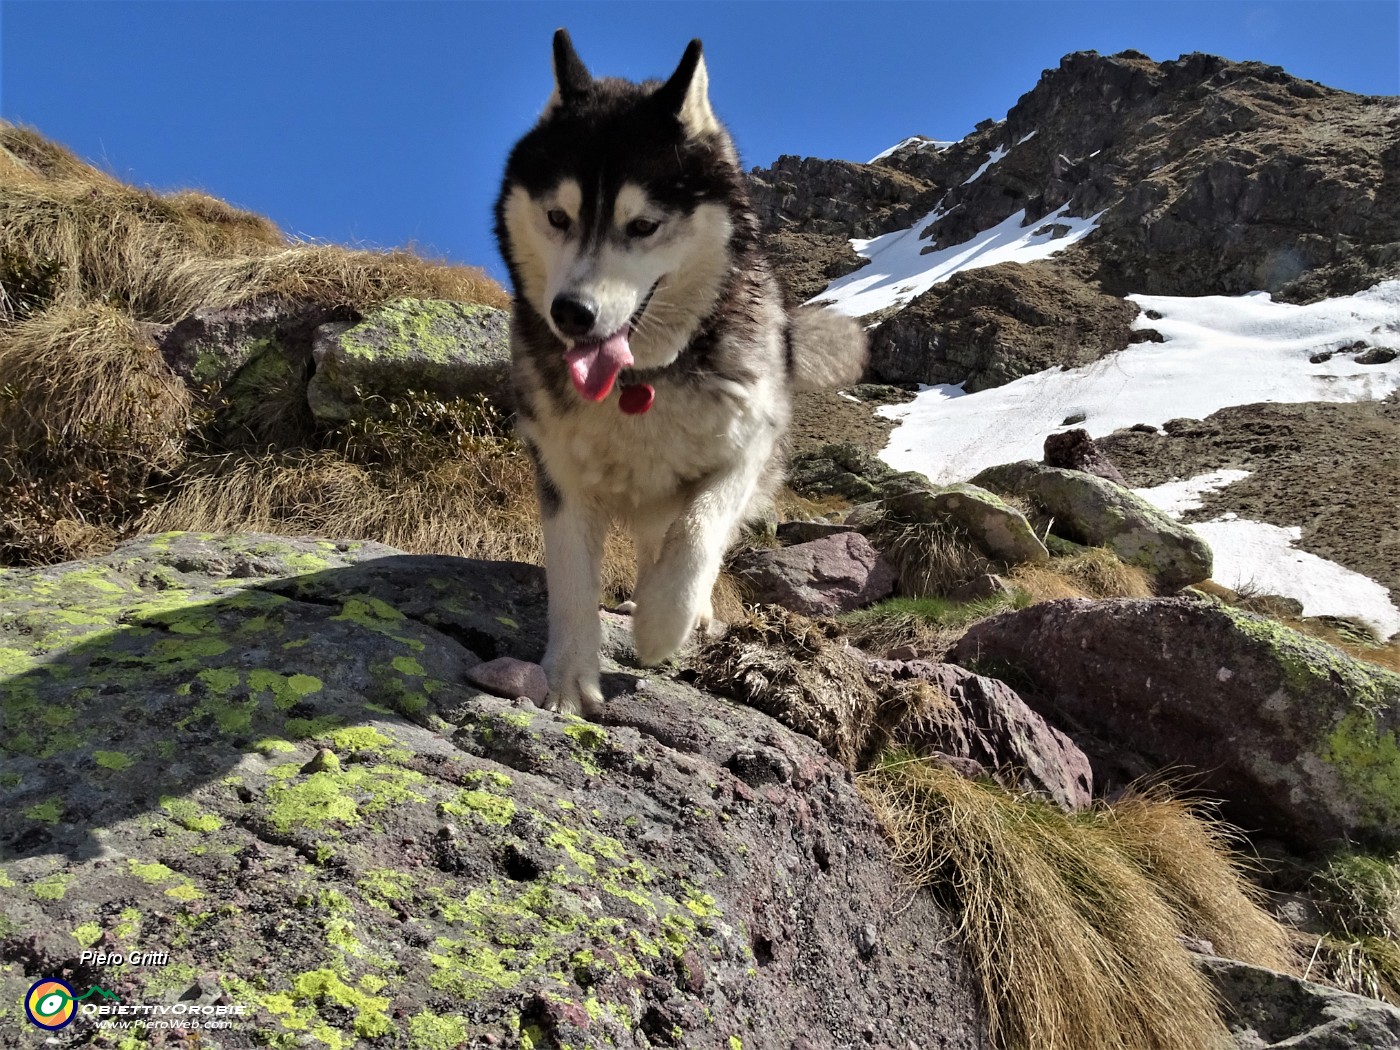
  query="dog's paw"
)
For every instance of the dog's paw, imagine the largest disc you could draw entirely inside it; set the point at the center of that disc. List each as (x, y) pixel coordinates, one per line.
(573, 689)
(659, 629)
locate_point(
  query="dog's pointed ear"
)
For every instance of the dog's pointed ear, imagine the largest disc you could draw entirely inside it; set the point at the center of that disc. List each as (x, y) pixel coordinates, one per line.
(571, 76)
(687, 94)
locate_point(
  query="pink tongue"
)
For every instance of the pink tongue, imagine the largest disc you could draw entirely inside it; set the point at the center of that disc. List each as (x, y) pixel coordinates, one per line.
(594, 366)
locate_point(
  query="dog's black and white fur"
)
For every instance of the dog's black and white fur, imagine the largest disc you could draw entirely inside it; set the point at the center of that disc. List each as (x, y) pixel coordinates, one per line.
(625, 223)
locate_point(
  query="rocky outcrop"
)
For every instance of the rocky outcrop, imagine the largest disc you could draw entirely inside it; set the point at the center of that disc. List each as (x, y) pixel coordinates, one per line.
(1267, 1010)
(1207, 177)
(995, 529)
(983, 328)
(859, 708)
(890, 501)
(822, 577)
(261, 757)
(994, 729)
(1095, 512)
(1299, 740)
(1075, 450)
(410, 346)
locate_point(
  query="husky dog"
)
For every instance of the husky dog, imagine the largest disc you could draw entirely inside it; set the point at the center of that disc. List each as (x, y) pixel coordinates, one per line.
(653, 359)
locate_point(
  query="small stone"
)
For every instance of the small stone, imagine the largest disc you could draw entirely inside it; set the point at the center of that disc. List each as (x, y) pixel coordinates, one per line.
(866, 939)
(447, 831)
(508, 677)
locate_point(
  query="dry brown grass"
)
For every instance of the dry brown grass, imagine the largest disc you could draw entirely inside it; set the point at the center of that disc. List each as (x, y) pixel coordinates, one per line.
(163, 256)
(1072, 921)
(90, 418)
(929, 559)
(99, 436)
(1092, 573)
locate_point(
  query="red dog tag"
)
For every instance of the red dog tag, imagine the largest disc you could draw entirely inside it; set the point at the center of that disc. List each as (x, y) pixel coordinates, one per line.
(636, 398)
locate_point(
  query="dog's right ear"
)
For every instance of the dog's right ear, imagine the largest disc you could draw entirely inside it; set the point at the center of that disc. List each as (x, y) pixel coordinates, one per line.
(571, 76)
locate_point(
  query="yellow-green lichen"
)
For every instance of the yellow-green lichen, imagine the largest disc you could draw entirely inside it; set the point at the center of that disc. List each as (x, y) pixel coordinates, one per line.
(493, 809)
(114, 760)
(189, 816)
(330, 797)
(1367, 758)
(87, 934)
(433, 1031)
(51, 887)
(50, 811)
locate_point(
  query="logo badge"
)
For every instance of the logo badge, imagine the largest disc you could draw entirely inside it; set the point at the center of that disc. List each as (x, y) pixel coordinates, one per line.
(50, 1004)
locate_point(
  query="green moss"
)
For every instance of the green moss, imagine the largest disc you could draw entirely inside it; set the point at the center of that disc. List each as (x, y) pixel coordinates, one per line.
(409, 666)
(115, 760)
(366, 738)
(1368, 761)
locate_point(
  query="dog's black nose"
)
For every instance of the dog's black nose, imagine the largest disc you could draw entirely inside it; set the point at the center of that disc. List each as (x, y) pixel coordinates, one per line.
(573, 314)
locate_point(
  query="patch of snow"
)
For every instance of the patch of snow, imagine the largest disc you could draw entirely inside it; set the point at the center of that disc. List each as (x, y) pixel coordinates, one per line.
(1217, 351)
(1175, 498)
(992, 158)
(1256, 556)
(1262, 558)
(899, 269)
(917, 140)
(1026, 137)
(849, 397)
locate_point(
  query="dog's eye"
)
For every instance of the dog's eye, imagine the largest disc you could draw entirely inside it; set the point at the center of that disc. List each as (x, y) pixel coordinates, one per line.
(641, 227)
(558, 218)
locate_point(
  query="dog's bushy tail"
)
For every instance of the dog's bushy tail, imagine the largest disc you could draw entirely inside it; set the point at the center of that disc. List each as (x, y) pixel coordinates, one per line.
(829, 349)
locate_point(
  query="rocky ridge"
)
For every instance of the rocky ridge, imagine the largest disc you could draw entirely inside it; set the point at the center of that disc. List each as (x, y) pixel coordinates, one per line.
(1208, 176)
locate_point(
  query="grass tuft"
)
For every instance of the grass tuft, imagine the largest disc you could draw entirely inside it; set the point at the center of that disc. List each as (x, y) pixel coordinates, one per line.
(1358, 897)
(1072, 921)
(99, 437)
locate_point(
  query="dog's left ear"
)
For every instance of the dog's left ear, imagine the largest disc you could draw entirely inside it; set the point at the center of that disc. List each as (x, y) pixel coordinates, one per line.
(687, 94)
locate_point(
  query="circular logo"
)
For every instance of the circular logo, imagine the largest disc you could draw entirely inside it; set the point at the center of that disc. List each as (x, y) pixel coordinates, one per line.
(49, 1004)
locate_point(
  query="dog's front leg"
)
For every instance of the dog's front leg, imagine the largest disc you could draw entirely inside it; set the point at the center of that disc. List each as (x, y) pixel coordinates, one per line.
(673, 595)
(573, 544)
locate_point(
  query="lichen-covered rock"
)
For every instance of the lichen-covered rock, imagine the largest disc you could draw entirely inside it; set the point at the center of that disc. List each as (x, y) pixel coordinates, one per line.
(849, 471)
(258, 755)
(822, 577)
(997, 530)
(1096, 512)
(434, 347)
(1298, 740)
(1267, 1010)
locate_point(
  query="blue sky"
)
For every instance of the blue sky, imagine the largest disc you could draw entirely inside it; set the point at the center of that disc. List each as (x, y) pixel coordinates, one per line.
(386, 122)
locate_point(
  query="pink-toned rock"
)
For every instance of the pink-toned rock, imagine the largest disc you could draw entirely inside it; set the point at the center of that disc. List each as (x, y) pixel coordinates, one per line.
(834, 574)
(992, 727)
(506, 676)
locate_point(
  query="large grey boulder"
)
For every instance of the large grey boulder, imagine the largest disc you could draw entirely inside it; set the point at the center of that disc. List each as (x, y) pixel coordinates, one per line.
(999, 531)
(1098, 513)
(410, 346)
(1266, 1010)
(1298, 740)
(261, 756)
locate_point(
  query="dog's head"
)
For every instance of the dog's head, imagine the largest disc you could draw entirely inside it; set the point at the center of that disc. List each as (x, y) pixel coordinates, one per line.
(617, 216)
